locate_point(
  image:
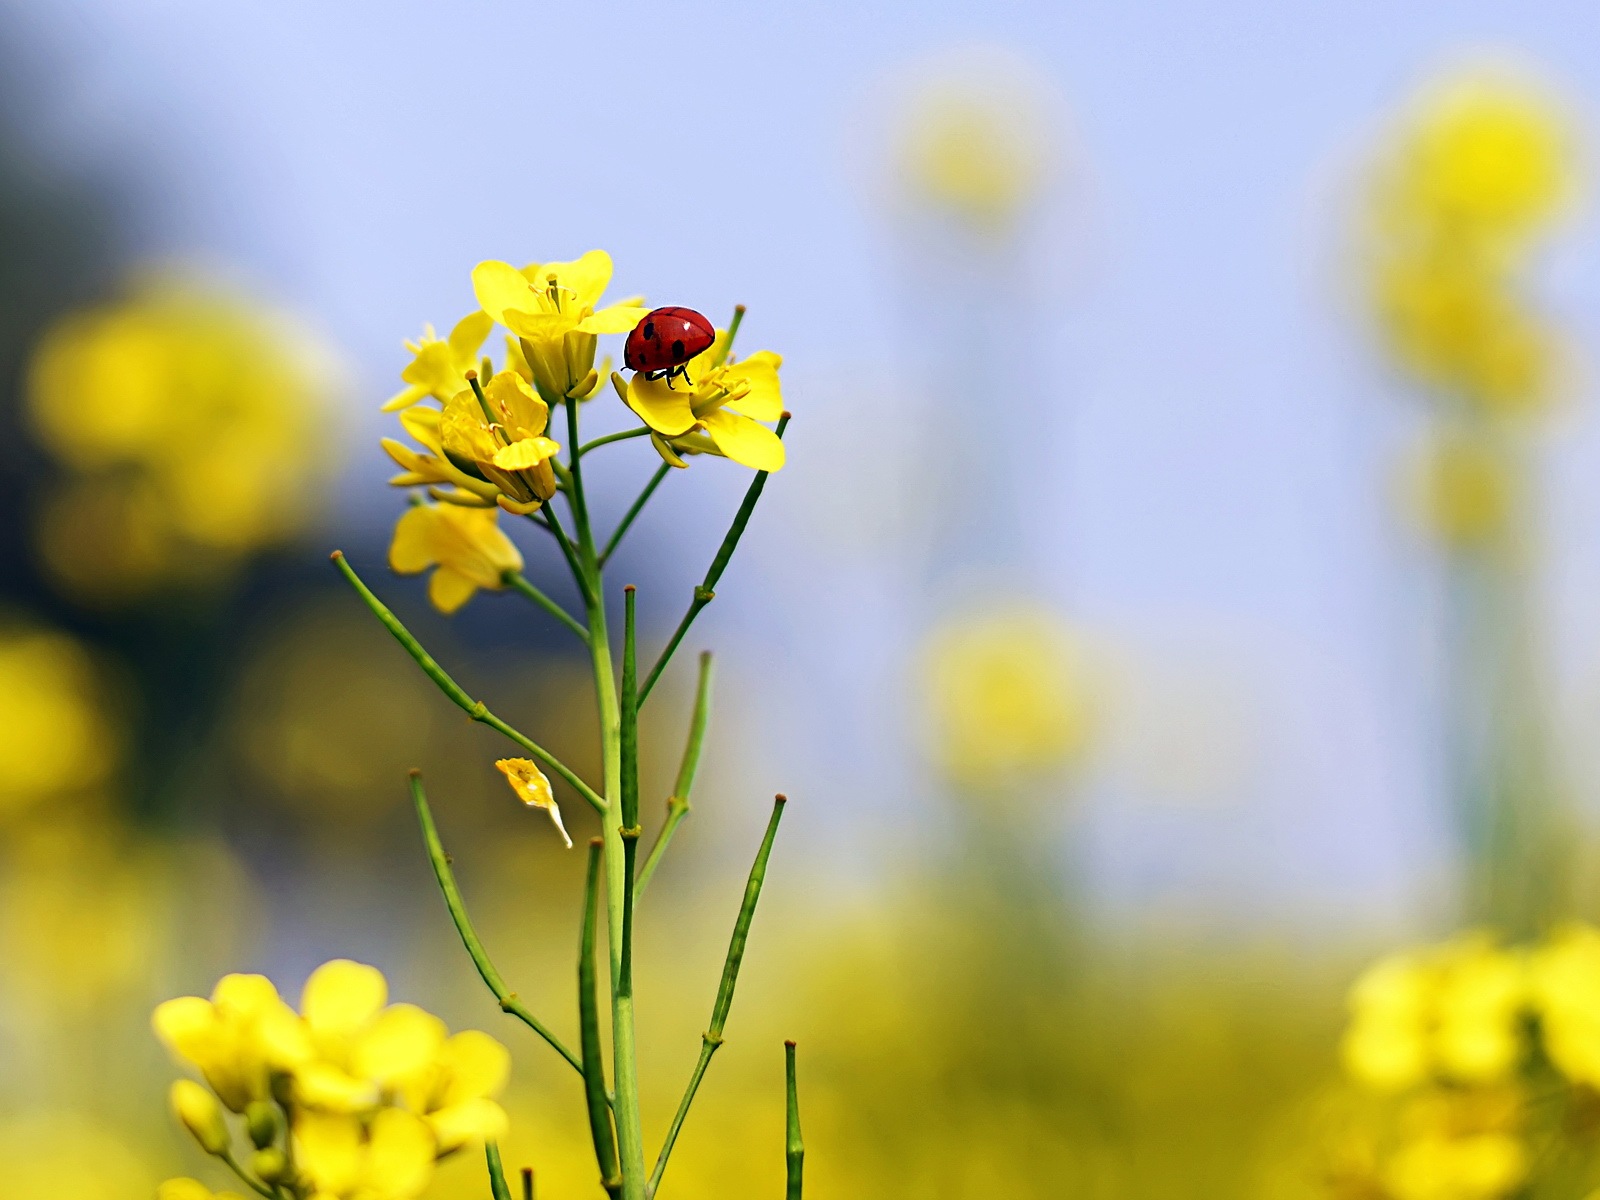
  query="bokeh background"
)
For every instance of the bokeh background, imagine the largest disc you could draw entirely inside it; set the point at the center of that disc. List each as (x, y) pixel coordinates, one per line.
(1089, 628)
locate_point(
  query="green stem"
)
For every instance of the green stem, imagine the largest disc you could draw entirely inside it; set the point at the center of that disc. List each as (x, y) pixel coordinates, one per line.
(475, 709)
(497, 1174)
(794, 1149)
(705, 592)
(594, 1071)
(630, 712)
(469, 936)
(733, 332)
(642, 431)
(634, 510)
(233, 1165)
(553, 524)
(712, 1038)
(520, 583)
(678, 802)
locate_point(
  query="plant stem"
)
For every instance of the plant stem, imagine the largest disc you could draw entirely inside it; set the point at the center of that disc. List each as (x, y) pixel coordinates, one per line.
(527, 1183)
(712, 1038)
(642, 431)
(469, 936)
(497, 1174)
(678, 802)
(794, 1149)
(553, 524)
(475, 709)
(634, 510)
(594, 1071)
(520, 583)
(705, 592)
(233, 1165)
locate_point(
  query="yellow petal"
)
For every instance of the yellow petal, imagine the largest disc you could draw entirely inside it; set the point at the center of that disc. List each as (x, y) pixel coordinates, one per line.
(201, 1114)
(413, 547)
(188, 1026)
(528, 453)
(400, 1155)
(342, 996)
(328, 1150)
(399, 1044)
(585, 279)
(500, 288)
(665, 409)
(449, 589)
(470, 1121)
(320, 1085)
(533, 789)
(764, 400)
(475, 1065)
(470, 333)
(667, 453)
(423, 425)
(404, 398)
(185, 1189)
(616, 318)
(245, 995)
(516, 405)
(745, 441)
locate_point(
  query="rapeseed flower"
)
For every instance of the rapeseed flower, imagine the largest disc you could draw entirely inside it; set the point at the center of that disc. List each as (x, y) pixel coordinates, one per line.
(57, 740)
(439, 367)
(728, 400)
(1565, 973)
(465, 546)
(499, 434)
(555, 312)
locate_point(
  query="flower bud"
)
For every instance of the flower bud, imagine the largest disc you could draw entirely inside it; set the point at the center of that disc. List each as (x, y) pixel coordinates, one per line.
(270, 1164)
(201, 1115)
(262, 1119)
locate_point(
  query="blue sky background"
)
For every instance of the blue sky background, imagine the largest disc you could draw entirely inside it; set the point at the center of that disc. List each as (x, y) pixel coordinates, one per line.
(1211, 442)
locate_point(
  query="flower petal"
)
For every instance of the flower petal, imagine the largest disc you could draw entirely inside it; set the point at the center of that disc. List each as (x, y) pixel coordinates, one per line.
(764, 400)
(398, 1045)
(585, 278)
(328, 1150)
(745, 441)
(415, 544)
(341, 996)
(529, 452)
(500, 288)
(475, 1065)
(617, 318)
(449, 589)
(399, 1156)
(533, 789)
(470, 1121)
(664, 409)
(469, 334)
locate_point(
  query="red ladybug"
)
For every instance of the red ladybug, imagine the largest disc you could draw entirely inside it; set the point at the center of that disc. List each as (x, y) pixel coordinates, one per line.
(662, 344)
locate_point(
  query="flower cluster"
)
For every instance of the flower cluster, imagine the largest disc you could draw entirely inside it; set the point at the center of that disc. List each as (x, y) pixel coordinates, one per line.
(1480, 167)
(484, 445)
(1455, 1039)
(350, 1098)
(193, 424)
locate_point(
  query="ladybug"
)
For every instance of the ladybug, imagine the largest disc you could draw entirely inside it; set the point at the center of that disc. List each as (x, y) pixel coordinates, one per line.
(662, 344)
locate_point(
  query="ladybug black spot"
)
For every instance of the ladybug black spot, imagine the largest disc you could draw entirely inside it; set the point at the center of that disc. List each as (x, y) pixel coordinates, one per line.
(649, 330)
(677, 349)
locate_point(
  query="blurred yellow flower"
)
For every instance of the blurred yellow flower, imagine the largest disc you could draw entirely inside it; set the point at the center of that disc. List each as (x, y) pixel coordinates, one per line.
(237, 1039)
(1452, 1012)
(554, 310)
(209, 405)
(1004, 697)
(389, 1158)
(1458, 1145)
(439, 368)
(56, 739)
(201, 1114)
(1463, 488)
(465, 545)
(191, 1189)
(728, 400)
(1565, 974)
(533, 789)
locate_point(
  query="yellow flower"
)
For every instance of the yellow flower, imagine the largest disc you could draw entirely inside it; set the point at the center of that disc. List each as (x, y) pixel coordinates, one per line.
(553, 308)
(1458, 1145)
(191, 1189)
(201, 1115)
(1452, 1012)
(214, 406)
(1005, 705)
(439, 368)
(1565, 974)
(1482, 151)
(343, 1158)
(533, 789)
(466, 545)
(728, 400)
(432, 466)
(55, 738)
(511, 452)
(237, 1039)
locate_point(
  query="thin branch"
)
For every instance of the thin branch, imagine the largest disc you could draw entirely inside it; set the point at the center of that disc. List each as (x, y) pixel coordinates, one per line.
(552, 523)
(469, 936)
(475, 709)
(634, 510)
(705, 591)
(594, 1070)
(678, 802)
(629, 723)
(497, 1175)
(712, 1038)
(520, 583)
(642, 431)
(794, 1149)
